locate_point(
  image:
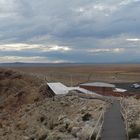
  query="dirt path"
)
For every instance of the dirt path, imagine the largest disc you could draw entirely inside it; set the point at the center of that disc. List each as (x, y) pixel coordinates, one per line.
(113, 127)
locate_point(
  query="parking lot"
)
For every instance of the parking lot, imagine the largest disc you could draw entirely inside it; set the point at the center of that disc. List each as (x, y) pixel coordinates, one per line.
(128, 86)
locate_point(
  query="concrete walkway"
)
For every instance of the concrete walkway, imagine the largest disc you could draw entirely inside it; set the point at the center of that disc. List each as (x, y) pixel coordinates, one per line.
(113, 127)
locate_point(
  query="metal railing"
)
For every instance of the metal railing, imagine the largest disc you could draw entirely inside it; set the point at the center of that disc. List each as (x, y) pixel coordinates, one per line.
(98, 126)
(125, 117)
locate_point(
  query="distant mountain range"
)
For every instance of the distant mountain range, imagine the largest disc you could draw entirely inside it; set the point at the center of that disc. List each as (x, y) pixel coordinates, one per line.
(22, 64)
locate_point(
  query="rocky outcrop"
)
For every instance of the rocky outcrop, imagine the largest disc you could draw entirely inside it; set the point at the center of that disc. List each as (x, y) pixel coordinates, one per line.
(52, 120)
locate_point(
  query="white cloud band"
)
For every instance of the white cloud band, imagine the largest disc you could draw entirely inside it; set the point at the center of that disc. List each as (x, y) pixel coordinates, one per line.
(107, 50)
(39, 47)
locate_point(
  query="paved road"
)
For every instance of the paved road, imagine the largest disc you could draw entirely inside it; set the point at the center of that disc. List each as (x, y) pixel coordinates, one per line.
(113, 127)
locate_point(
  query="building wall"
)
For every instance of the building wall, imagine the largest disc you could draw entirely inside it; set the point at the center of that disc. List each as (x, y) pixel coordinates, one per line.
(99, 89)
(107, 91)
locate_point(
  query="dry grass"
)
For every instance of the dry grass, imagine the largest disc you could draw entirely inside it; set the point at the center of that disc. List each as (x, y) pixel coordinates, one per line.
(73, 75)
(16, 90)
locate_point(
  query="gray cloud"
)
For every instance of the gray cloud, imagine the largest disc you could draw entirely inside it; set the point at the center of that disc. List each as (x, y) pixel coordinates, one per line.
(93, 29)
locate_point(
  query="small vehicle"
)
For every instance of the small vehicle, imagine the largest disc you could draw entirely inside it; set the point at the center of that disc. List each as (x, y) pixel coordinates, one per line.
(136, 85)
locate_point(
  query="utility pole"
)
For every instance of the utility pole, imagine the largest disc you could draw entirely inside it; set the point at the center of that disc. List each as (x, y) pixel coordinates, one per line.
(71, 80)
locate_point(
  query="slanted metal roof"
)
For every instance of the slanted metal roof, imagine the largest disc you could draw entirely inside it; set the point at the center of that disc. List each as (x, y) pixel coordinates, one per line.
(98, 84)
(82, 90)
(58, 88)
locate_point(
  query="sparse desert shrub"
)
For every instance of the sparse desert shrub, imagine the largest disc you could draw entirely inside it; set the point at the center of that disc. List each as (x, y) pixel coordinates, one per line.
(93, 137)
(100, 108)
(21, 125)
(16, 76)
(42, 119)
(135, 131)
(8, 73)
(86, 117)
(51, 124)
(132, 126)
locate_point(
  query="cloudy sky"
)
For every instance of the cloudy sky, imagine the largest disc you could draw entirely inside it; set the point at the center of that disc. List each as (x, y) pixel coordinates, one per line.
(69, 31)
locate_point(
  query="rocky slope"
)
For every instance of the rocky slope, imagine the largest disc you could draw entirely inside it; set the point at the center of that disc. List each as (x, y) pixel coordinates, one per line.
(67, 117)
(26, 112)
(17, 89)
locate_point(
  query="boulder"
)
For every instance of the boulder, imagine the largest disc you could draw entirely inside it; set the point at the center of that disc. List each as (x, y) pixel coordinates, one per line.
(75, 130)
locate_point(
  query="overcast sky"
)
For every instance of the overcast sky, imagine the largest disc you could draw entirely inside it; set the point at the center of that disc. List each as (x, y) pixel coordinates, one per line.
(69, 30)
